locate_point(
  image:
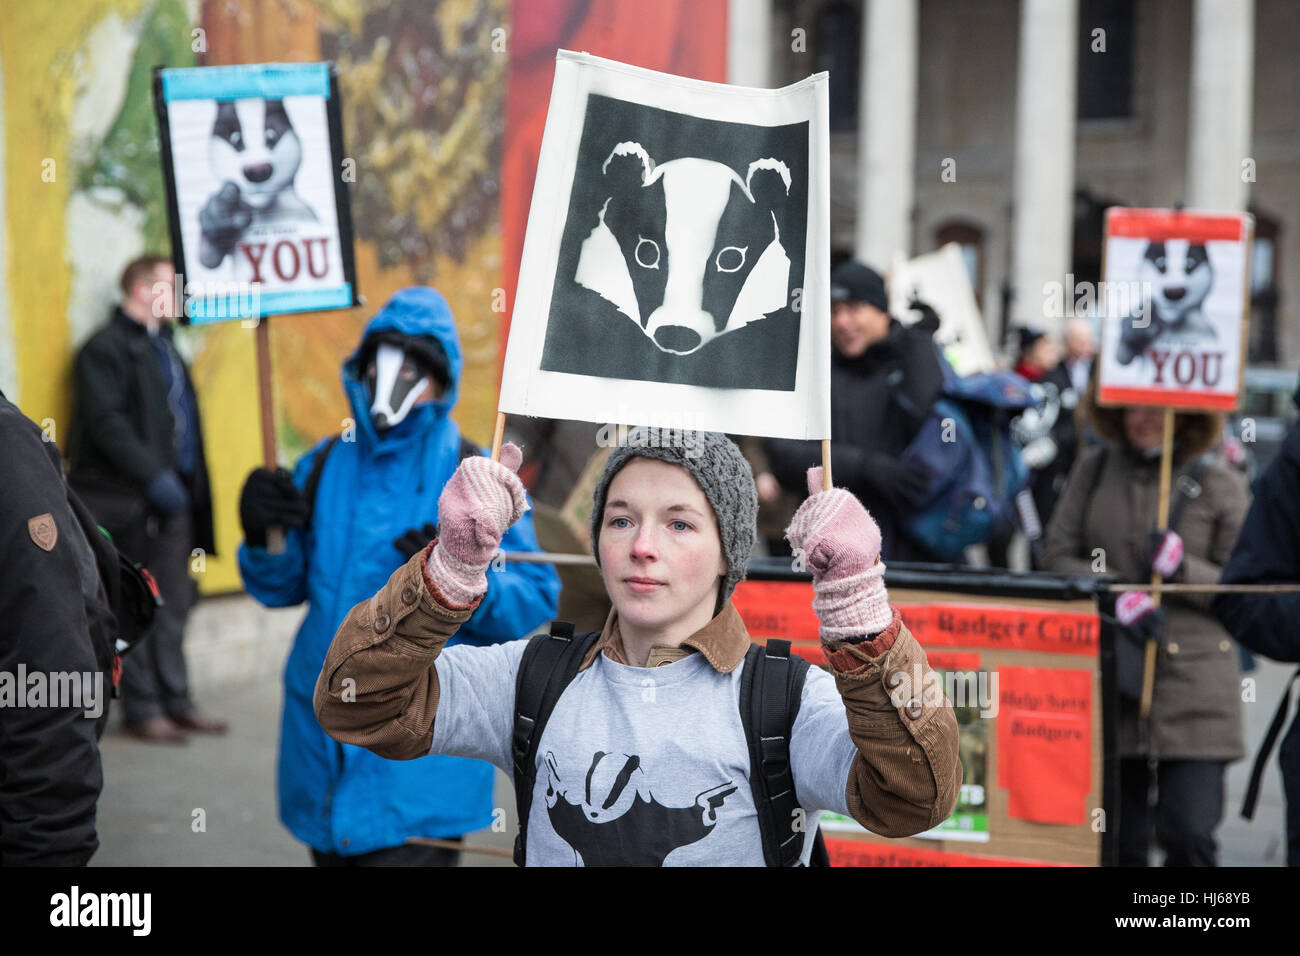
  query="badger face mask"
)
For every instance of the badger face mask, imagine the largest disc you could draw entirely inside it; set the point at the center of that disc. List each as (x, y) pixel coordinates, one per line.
(396, 380)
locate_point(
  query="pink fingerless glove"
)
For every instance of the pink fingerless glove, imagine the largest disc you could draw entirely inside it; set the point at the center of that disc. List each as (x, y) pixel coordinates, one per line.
(840, 543)
(476, 508)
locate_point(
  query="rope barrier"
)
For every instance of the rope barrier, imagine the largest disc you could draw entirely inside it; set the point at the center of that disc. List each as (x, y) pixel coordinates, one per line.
(586, 560)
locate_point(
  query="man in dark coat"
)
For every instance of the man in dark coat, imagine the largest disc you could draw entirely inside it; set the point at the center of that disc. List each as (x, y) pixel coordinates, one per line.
(884, 378)
(56, 651)
(138, 463)
(1268, 552)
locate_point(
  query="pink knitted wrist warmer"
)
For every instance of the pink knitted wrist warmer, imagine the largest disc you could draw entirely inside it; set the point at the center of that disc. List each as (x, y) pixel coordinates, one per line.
(461, 584)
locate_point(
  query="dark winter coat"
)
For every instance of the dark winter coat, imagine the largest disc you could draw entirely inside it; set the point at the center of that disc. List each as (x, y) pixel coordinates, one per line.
(879, 401)
(1268, 552)
(57, 620)
(123, 434)
(1196, 710)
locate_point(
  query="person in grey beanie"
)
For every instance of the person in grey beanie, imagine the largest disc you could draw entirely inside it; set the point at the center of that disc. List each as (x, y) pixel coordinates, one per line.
(644, 759)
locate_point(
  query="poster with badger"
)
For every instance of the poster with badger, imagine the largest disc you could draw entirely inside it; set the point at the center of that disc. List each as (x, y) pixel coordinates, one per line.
(257, 192)
(1174, 301)
(676, 269)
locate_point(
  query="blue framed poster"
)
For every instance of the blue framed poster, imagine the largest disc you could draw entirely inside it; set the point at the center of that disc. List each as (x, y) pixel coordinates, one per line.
(257, 198)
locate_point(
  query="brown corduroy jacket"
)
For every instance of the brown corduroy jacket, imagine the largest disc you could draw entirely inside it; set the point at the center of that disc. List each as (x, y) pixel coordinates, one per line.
(379, 689)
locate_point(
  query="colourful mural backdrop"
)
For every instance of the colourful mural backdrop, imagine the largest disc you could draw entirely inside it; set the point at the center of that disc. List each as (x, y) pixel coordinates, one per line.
(443, 158)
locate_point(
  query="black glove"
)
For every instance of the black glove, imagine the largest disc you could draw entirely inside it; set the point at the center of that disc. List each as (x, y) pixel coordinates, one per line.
(905, 483)
(415, 539)
(270, 498)
(929, 320)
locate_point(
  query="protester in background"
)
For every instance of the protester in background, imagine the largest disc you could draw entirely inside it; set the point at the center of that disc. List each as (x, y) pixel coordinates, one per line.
(1080, 352)
(621, 781)
(776, 506)
(560, 451)
(884, 378)
(1268, 552)
(354, 510)
(138, 463)
(1065, 385)
(57, 620)
(1106, 521)
(1038, 354)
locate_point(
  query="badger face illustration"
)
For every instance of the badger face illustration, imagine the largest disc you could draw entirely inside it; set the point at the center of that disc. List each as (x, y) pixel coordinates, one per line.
(1178, 275)
(255, 147)
(688, 250)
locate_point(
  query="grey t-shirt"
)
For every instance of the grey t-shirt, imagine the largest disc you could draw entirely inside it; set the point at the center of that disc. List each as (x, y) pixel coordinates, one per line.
(641, 766)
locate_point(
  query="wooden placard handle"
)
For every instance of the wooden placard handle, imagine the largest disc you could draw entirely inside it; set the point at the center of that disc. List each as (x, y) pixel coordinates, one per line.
(1162, 519)
(266, 403)
(497, 433)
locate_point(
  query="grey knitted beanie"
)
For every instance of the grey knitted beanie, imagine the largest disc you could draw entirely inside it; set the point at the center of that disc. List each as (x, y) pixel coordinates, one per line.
(718, 468)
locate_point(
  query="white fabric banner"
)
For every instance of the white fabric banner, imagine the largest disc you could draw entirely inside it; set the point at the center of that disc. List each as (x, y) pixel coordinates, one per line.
(676, 268)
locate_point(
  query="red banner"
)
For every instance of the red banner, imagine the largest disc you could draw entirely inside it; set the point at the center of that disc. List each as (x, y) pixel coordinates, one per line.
(784, 609)
(867, 853)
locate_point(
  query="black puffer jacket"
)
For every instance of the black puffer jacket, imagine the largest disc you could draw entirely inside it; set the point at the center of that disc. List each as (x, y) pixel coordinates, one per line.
(57, 620)
(123, 434)
(879, 401)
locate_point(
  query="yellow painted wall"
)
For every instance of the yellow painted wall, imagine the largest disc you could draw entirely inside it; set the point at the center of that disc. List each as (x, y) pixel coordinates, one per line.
(44, 63)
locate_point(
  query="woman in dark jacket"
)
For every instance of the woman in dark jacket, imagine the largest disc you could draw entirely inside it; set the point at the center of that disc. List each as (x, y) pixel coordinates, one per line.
(1104, 523)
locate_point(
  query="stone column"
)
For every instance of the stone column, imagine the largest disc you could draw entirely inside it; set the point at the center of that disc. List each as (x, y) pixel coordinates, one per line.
(1043, 202)
(886, 132)
(1219, 125)
(749, 43)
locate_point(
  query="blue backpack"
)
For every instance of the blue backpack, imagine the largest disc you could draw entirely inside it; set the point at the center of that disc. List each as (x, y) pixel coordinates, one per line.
(974, 464)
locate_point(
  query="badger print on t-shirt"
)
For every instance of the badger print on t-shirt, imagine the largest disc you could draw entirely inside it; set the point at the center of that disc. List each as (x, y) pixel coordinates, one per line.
(611, 818)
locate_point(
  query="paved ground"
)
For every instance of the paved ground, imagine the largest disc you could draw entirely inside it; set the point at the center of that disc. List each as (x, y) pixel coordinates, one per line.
(212, 802)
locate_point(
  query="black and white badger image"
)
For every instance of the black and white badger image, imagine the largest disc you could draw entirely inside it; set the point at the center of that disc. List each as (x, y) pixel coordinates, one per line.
(255, 154)
(688, 250)
(612, 818)
(1178, 274)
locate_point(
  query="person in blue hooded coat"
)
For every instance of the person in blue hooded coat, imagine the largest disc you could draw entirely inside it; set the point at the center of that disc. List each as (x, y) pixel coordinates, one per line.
(355, 508)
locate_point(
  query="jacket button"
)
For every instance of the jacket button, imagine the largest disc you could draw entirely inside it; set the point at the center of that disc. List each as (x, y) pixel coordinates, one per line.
(1173, 647)
(1225, 646)
(408, 595)
(381, 623)
(346, 842)
(894, 677)
(913, 709)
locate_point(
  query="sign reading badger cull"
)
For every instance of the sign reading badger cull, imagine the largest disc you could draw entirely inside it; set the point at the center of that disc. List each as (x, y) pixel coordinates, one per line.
(676, 267)
(256, 198)
(1174, 308)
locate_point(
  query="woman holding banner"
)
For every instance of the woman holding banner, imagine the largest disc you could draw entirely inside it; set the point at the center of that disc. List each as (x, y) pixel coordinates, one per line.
(1105, 522)
(644, 758)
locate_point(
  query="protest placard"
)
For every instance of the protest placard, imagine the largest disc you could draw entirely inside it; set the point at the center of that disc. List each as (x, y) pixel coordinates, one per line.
(676, 267)
(1175, 303)
(256, 189)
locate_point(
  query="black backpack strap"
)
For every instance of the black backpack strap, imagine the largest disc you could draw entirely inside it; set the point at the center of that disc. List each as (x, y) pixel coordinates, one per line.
(1266, 748)
(771, 686)
(548, 666)
(313, 476)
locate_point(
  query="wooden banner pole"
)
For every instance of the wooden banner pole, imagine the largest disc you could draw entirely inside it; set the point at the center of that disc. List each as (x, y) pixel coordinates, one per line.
(1162, 519)
(497, 433)
(826, 464)
(266, 403)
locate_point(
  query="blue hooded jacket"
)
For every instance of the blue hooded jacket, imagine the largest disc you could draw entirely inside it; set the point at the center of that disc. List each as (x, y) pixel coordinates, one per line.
(335, 797)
